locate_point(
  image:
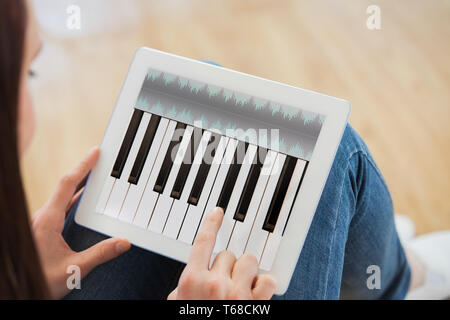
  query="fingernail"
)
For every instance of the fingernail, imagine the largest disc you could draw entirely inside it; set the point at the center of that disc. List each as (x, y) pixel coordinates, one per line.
(219, 209)
(122, 246)
(93, 149)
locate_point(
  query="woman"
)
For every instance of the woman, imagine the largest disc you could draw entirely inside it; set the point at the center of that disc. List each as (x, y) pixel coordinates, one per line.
(36, 268)
(355, 210)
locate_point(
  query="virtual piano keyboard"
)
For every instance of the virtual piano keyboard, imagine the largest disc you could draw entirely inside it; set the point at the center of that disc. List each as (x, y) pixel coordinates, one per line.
(168, 175)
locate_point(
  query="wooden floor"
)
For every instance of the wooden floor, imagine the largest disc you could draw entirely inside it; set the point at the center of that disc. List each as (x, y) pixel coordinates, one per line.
(397, 78)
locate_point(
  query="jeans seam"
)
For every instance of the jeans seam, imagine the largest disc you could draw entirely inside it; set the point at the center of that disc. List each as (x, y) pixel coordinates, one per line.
(334, 228)
(372, 164)
(374, 167)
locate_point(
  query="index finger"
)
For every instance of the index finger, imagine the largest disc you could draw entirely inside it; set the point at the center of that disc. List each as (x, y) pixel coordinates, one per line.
(206, 239)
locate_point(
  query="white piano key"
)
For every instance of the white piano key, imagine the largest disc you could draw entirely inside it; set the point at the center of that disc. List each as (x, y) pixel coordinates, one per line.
(135, 192)
(195, 213)
(241, 232)
(149, 197)
(165, 201)
(258, 235)
(220, 178)
(273, 242)
(179, 207)
(175, 218)
(228, 222)
(120, 189)
(104, 194)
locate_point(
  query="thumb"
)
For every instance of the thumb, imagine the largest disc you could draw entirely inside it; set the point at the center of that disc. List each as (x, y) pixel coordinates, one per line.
(101, 253)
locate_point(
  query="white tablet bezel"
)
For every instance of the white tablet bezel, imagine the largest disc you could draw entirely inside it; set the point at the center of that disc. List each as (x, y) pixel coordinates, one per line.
(336, 112)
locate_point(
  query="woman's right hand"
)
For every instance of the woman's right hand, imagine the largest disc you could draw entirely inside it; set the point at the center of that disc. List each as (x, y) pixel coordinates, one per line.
(227, 278)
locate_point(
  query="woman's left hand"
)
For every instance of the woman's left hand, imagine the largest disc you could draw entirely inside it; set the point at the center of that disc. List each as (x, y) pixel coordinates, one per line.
(48, 222)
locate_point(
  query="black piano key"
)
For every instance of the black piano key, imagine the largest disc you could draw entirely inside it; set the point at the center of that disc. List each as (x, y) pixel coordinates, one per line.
(127, 143)
(279, 194)
(168, 161)
(180, 181)
(144, 148)
(250, 184)
(203, 171)
(233, 172)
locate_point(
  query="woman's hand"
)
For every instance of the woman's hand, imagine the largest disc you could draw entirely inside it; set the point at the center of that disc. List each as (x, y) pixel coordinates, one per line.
(227, 278)
(48, 223)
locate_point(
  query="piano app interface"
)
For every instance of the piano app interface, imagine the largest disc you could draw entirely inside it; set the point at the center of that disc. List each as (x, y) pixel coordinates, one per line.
(191, 146)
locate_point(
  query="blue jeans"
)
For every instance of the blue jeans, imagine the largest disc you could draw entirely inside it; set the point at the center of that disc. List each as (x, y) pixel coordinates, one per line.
(353, 228)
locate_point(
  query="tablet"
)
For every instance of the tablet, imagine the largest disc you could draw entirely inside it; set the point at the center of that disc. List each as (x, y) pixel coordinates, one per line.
(186, 136)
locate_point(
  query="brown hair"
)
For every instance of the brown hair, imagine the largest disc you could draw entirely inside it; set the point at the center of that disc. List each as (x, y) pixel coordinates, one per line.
(21, 276)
